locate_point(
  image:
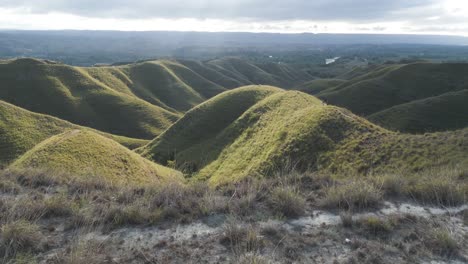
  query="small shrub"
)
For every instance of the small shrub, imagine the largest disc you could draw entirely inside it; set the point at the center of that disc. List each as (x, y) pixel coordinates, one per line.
(287, 201)
(35, 178)
(118, 216)
(252, 258)
(57, 206)
(376, 225)
(24, 258)
(354, 195)
(241, 239)
(242, 205)
(82, 253)
(20, 236)
(441, 242)
(253, 240)
(234, 233)
(8, 186)
(29, 208)
(177, 200)
(465, 217)
(391, 184)
(346, 219)
(443, 186)
(213, 203)
(245, 196)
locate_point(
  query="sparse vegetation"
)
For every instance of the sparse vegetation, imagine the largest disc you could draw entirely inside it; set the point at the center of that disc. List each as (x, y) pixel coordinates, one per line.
(97, 206)
(444, 186)
(441, 242)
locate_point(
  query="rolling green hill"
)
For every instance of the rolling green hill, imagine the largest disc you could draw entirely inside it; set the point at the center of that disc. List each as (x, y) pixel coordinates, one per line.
(21, 130)
(186, 140)
(137, 100)
(289, 127)
(283, 75)
(70, 93)
(83, 153)
(397, 84)
(404, 96)
(448, 111)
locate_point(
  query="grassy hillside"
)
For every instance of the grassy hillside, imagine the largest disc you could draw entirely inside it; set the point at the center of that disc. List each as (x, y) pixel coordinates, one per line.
(448, 111)
(21, 130)
(137, 100)
(207, 72)
(397, 84)
(185, 141)
(70, 93)
(296, 129)
(319, 85)
(277, 74)
(85, 153)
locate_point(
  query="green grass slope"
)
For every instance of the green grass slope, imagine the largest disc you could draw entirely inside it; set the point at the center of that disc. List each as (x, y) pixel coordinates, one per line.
(137, 100)
(186, 139)
(21, 130)
(84, 153)
(70, 93)
(208, 73)
(448, 111)
(319, 85)
(397, 84)
(290, 128)
(158, 84)
(202, 85)
(246, 72)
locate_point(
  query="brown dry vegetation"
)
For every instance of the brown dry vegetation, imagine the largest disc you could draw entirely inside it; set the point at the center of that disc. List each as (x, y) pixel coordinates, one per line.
(31, 201)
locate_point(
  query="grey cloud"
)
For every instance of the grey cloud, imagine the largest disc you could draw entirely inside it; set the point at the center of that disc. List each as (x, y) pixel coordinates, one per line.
(259, 10)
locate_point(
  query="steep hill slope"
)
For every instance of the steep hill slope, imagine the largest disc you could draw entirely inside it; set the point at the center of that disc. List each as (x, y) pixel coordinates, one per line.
(70, 93)
(448, 111)
(293, 128)
(84, 153)
(21, 130)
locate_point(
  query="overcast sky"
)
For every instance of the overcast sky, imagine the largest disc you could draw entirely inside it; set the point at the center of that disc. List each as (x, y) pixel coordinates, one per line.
(317, 16)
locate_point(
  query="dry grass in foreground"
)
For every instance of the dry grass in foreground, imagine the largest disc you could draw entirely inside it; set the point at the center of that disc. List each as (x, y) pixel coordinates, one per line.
(33, 202)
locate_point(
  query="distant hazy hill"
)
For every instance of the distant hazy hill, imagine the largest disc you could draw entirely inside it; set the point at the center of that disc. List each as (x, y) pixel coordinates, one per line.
(288, 128)
(416, 97)
(83, 153)
(90, 47)
(21, 130)
(137, 100)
